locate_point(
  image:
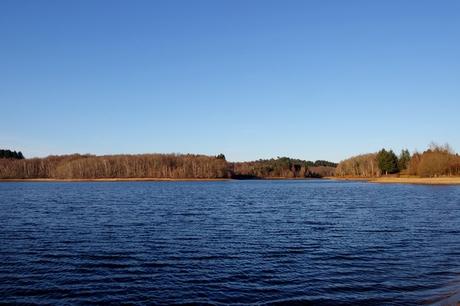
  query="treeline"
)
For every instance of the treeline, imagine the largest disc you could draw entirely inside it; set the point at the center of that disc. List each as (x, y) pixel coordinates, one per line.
(115, 166)
(11, 154)
(436, 161)
(282, 167)
(174, 166)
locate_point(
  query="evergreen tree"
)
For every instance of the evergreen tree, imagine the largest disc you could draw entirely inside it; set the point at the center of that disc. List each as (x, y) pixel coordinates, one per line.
(404, 159)
(11, 154)
(324, 163)
(387, 161)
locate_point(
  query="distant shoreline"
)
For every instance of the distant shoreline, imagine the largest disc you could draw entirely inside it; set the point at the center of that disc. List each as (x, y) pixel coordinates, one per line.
(379, 180)
(404, 180)
(141, 179)
(117, 180)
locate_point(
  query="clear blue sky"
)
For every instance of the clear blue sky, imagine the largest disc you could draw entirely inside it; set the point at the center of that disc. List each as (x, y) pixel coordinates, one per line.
(250, 79)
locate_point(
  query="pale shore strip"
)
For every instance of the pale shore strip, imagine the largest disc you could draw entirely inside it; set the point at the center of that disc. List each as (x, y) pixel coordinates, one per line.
(418, 180)
(140, 179)
(405, 180)
(380, 180)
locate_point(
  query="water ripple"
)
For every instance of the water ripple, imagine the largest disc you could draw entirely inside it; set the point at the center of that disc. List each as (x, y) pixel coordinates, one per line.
(219, 243)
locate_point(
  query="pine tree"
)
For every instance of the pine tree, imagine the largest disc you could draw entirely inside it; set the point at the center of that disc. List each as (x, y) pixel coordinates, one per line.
(11, 154)
(221, 156)
(387, 161)
(403, 160)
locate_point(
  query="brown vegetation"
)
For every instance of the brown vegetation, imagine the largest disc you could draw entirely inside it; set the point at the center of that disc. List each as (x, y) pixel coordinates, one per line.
(365, 165)
(157, 166)
(436, 161)
(321, 171)
(115, 166)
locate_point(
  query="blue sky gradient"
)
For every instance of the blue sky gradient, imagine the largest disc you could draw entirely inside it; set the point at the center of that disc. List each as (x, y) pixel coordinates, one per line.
(250, 79)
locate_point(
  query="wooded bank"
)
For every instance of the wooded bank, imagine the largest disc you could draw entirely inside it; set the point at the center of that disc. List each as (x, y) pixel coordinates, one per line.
(436, 161)
(158, 166)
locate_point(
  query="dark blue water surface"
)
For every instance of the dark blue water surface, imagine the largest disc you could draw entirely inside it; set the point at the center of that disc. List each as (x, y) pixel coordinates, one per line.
(247, 242)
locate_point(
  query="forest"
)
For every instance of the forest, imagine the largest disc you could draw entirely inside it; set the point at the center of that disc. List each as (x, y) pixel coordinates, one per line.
(436, 161)
(78, 166)
(282, 167)
(161, 166)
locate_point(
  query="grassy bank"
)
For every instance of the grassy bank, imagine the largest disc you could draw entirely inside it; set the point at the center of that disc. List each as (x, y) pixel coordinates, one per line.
(448, 180)
(418, 180)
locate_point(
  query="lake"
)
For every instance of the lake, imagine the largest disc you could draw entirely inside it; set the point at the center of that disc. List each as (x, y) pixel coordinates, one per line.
(315, 242)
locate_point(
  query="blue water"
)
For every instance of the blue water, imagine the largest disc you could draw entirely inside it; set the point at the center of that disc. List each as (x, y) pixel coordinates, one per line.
(247, 242)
